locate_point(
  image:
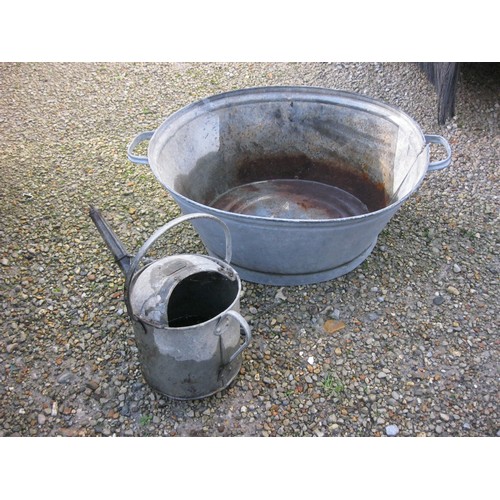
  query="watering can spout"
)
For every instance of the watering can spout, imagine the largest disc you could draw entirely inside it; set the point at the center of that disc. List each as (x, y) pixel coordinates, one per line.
(122, 257)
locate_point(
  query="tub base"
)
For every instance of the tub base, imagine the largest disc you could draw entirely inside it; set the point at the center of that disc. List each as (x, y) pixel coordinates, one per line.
(302, 279)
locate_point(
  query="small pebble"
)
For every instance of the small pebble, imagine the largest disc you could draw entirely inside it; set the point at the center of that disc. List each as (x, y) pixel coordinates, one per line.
(92, 384)
(11, 347)
(125, 410)
(438, 300)
(65, 378)
(332, 326)
(392, 430)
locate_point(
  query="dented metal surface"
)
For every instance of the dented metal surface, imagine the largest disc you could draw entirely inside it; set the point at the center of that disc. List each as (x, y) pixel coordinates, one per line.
(185, 314)
(213, 151)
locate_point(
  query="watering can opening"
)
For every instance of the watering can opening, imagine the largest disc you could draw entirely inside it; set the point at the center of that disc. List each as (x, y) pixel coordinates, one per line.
(199, 298)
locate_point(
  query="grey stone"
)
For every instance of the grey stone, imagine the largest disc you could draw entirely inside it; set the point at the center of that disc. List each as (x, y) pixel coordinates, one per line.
(65, 378)
(438, 300)
(392, 430)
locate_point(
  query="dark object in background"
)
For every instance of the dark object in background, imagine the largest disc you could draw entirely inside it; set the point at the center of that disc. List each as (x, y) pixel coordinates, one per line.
(444, 77)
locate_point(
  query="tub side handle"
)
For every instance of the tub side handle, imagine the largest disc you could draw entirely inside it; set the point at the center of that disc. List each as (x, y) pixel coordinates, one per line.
(439, 165)
(143, 136)
(246, 330)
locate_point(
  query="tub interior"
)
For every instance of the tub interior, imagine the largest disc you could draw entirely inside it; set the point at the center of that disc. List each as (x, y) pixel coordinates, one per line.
(369, 151)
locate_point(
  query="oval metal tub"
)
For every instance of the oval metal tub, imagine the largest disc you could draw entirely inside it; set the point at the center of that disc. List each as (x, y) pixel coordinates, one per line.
(305, 178)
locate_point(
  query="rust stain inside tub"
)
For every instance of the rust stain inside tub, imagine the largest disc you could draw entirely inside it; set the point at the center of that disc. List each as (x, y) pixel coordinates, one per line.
(292, 188)
(290, 199)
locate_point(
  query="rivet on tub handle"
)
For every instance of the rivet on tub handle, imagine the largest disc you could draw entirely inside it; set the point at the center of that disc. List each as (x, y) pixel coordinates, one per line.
(143, 136)
(439, 165)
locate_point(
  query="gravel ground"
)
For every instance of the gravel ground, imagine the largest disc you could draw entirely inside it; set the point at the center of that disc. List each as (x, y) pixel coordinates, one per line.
(405, 345)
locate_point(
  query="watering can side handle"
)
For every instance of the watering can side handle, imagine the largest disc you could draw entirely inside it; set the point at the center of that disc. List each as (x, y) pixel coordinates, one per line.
(143, 136)
(246, 329)
(439, 165)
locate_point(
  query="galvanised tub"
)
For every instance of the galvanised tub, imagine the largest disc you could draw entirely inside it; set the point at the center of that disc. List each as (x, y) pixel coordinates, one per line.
(305, 178)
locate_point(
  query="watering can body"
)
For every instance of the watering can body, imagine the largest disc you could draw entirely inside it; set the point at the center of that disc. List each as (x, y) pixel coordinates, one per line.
(185, 315)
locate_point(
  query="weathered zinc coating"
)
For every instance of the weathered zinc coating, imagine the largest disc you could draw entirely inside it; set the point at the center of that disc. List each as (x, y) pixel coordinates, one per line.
(185, 315)
(346, 140)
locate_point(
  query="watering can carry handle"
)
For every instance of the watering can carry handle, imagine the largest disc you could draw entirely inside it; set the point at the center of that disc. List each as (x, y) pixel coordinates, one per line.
(159, 232)
(246, 329)
(143, 136)
(439, 165)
